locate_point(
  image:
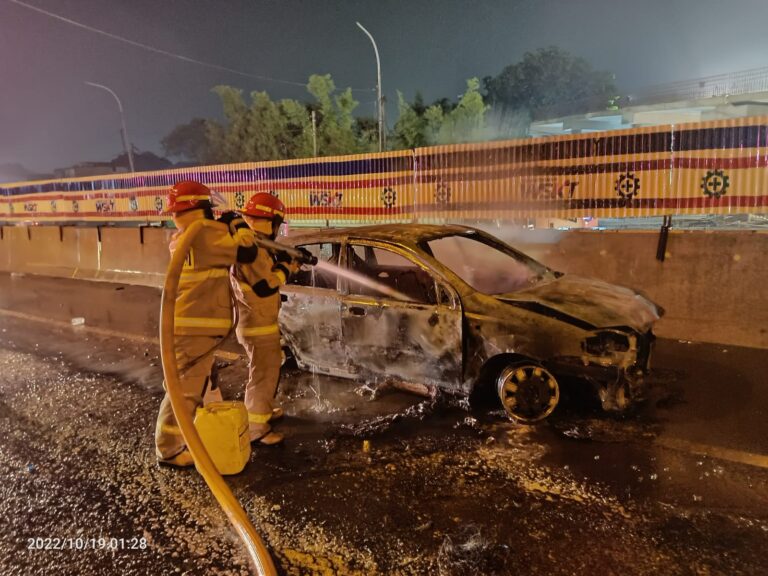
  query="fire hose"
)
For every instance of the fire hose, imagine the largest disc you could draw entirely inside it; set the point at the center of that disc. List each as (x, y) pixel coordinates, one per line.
(298, 254)
(257, 550)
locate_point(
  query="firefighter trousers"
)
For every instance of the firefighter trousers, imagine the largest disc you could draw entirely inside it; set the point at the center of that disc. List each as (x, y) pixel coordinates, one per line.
(192, 383)
(264, 357)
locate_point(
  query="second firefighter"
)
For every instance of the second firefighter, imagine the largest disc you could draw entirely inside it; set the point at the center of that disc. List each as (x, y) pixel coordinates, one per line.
(257, 290)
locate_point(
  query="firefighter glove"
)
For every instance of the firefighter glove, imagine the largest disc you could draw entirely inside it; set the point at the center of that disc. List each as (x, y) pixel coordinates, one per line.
(281, 256)
(228, 216)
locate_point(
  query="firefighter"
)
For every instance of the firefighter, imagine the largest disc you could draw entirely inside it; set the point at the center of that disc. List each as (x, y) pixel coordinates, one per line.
(256, 287)
(203, 315)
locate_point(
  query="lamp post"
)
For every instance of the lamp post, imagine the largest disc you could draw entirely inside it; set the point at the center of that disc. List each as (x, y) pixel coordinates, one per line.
(378, 87)
(123, 132)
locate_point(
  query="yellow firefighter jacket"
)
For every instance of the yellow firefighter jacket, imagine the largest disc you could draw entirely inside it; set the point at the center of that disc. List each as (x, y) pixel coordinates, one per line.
(256, 287)
(203, 303)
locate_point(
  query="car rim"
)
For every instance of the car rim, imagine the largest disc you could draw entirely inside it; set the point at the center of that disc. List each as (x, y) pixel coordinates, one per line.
(528, 392)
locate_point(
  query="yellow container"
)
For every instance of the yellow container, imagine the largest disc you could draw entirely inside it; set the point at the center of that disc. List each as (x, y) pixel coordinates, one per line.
(223, 428)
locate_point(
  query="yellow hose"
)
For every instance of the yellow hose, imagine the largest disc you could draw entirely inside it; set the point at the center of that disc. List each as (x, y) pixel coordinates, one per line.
(257, 551)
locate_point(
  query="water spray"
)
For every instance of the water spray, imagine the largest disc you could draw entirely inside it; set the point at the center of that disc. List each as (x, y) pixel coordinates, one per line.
(304, 257)
(364, 280)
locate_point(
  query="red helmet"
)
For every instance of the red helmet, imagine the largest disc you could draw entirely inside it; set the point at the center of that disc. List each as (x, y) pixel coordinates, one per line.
(265, 205)
(187, 195)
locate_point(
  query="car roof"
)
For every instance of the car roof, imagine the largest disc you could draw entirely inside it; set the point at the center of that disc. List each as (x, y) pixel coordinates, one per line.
(397, 233)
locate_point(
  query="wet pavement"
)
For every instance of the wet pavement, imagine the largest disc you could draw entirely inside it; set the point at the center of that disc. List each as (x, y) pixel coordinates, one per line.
(679, 487)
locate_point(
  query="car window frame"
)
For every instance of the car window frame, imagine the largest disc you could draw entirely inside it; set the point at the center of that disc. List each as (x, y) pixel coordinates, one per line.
(408, 254)
(461, 285)
(289, 285)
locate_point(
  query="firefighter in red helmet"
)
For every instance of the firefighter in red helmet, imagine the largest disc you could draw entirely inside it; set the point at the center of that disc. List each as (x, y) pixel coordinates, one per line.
(256, 288)
(203, 315)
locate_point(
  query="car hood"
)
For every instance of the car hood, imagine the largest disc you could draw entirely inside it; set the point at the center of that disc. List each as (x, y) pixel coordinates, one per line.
(586, 301)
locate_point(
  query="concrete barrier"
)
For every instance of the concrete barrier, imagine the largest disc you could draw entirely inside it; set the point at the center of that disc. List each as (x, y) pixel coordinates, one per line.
(126, 255)
(84, 243)
(134, 255)
(712, 284)
(7, 241)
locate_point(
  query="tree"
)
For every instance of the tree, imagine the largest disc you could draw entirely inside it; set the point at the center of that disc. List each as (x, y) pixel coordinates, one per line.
(259, 131)
(264, 126)
(230, 142)
(188, 141)
(366, 131)
(410, 128)
(296, 137)
(335, 129)
(262, 129)
(443, 122)
(465, 122)
(550, 80)
(434, 116)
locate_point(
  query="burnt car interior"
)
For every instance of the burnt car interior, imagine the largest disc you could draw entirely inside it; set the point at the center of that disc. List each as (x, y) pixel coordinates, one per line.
(392, 270)
(319, 278)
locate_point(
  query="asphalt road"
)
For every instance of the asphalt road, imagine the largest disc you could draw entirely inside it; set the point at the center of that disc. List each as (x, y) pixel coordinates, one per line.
(680, 487)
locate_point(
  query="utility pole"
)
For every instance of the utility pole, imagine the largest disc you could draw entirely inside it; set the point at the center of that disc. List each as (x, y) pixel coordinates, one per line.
(314, 132)
(378, 87)
(383, 123)
(123, 132)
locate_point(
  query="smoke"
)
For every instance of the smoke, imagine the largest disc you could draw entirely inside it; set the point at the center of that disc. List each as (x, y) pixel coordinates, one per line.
(493, 124)
(501, 124)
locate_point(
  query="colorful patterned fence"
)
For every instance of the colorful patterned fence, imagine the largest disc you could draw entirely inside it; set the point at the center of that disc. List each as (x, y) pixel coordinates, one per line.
(703, 168)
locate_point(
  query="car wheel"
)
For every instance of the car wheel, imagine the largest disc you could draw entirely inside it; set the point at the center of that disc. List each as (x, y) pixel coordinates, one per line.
(527, 391)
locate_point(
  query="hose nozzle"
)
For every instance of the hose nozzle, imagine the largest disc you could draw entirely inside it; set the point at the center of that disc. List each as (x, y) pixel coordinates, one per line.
(306, 257)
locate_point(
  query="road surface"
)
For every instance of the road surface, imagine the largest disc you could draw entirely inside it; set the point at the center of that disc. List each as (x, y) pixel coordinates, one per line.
(681, 487)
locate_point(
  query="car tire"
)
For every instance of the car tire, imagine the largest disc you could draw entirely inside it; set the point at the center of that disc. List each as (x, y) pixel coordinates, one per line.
(528, 391)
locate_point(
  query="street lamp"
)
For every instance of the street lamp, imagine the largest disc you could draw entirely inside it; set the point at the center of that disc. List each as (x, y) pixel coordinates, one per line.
(378, 87)
(123, 132)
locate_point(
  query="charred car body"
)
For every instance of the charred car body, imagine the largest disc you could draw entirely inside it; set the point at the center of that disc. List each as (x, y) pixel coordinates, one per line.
(461, 309)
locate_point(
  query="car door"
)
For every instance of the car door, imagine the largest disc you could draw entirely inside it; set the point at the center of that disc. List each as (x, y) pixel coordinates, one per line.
(416, 339)
(310, 319)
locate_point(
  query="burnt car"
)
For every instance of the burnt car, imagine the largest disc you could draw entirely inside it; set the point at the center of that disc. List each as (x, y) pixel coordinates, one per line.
(453, 308)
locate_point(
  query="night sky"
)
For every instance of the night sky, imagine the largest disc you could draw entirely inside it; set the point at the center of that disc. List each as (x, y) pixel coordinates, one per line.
(49, 118)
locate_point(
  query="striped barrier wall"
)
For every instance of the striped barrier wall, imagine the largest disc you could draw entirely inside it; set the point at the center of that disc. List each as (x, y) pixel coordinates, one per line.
(342, 188)
(700, 168)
